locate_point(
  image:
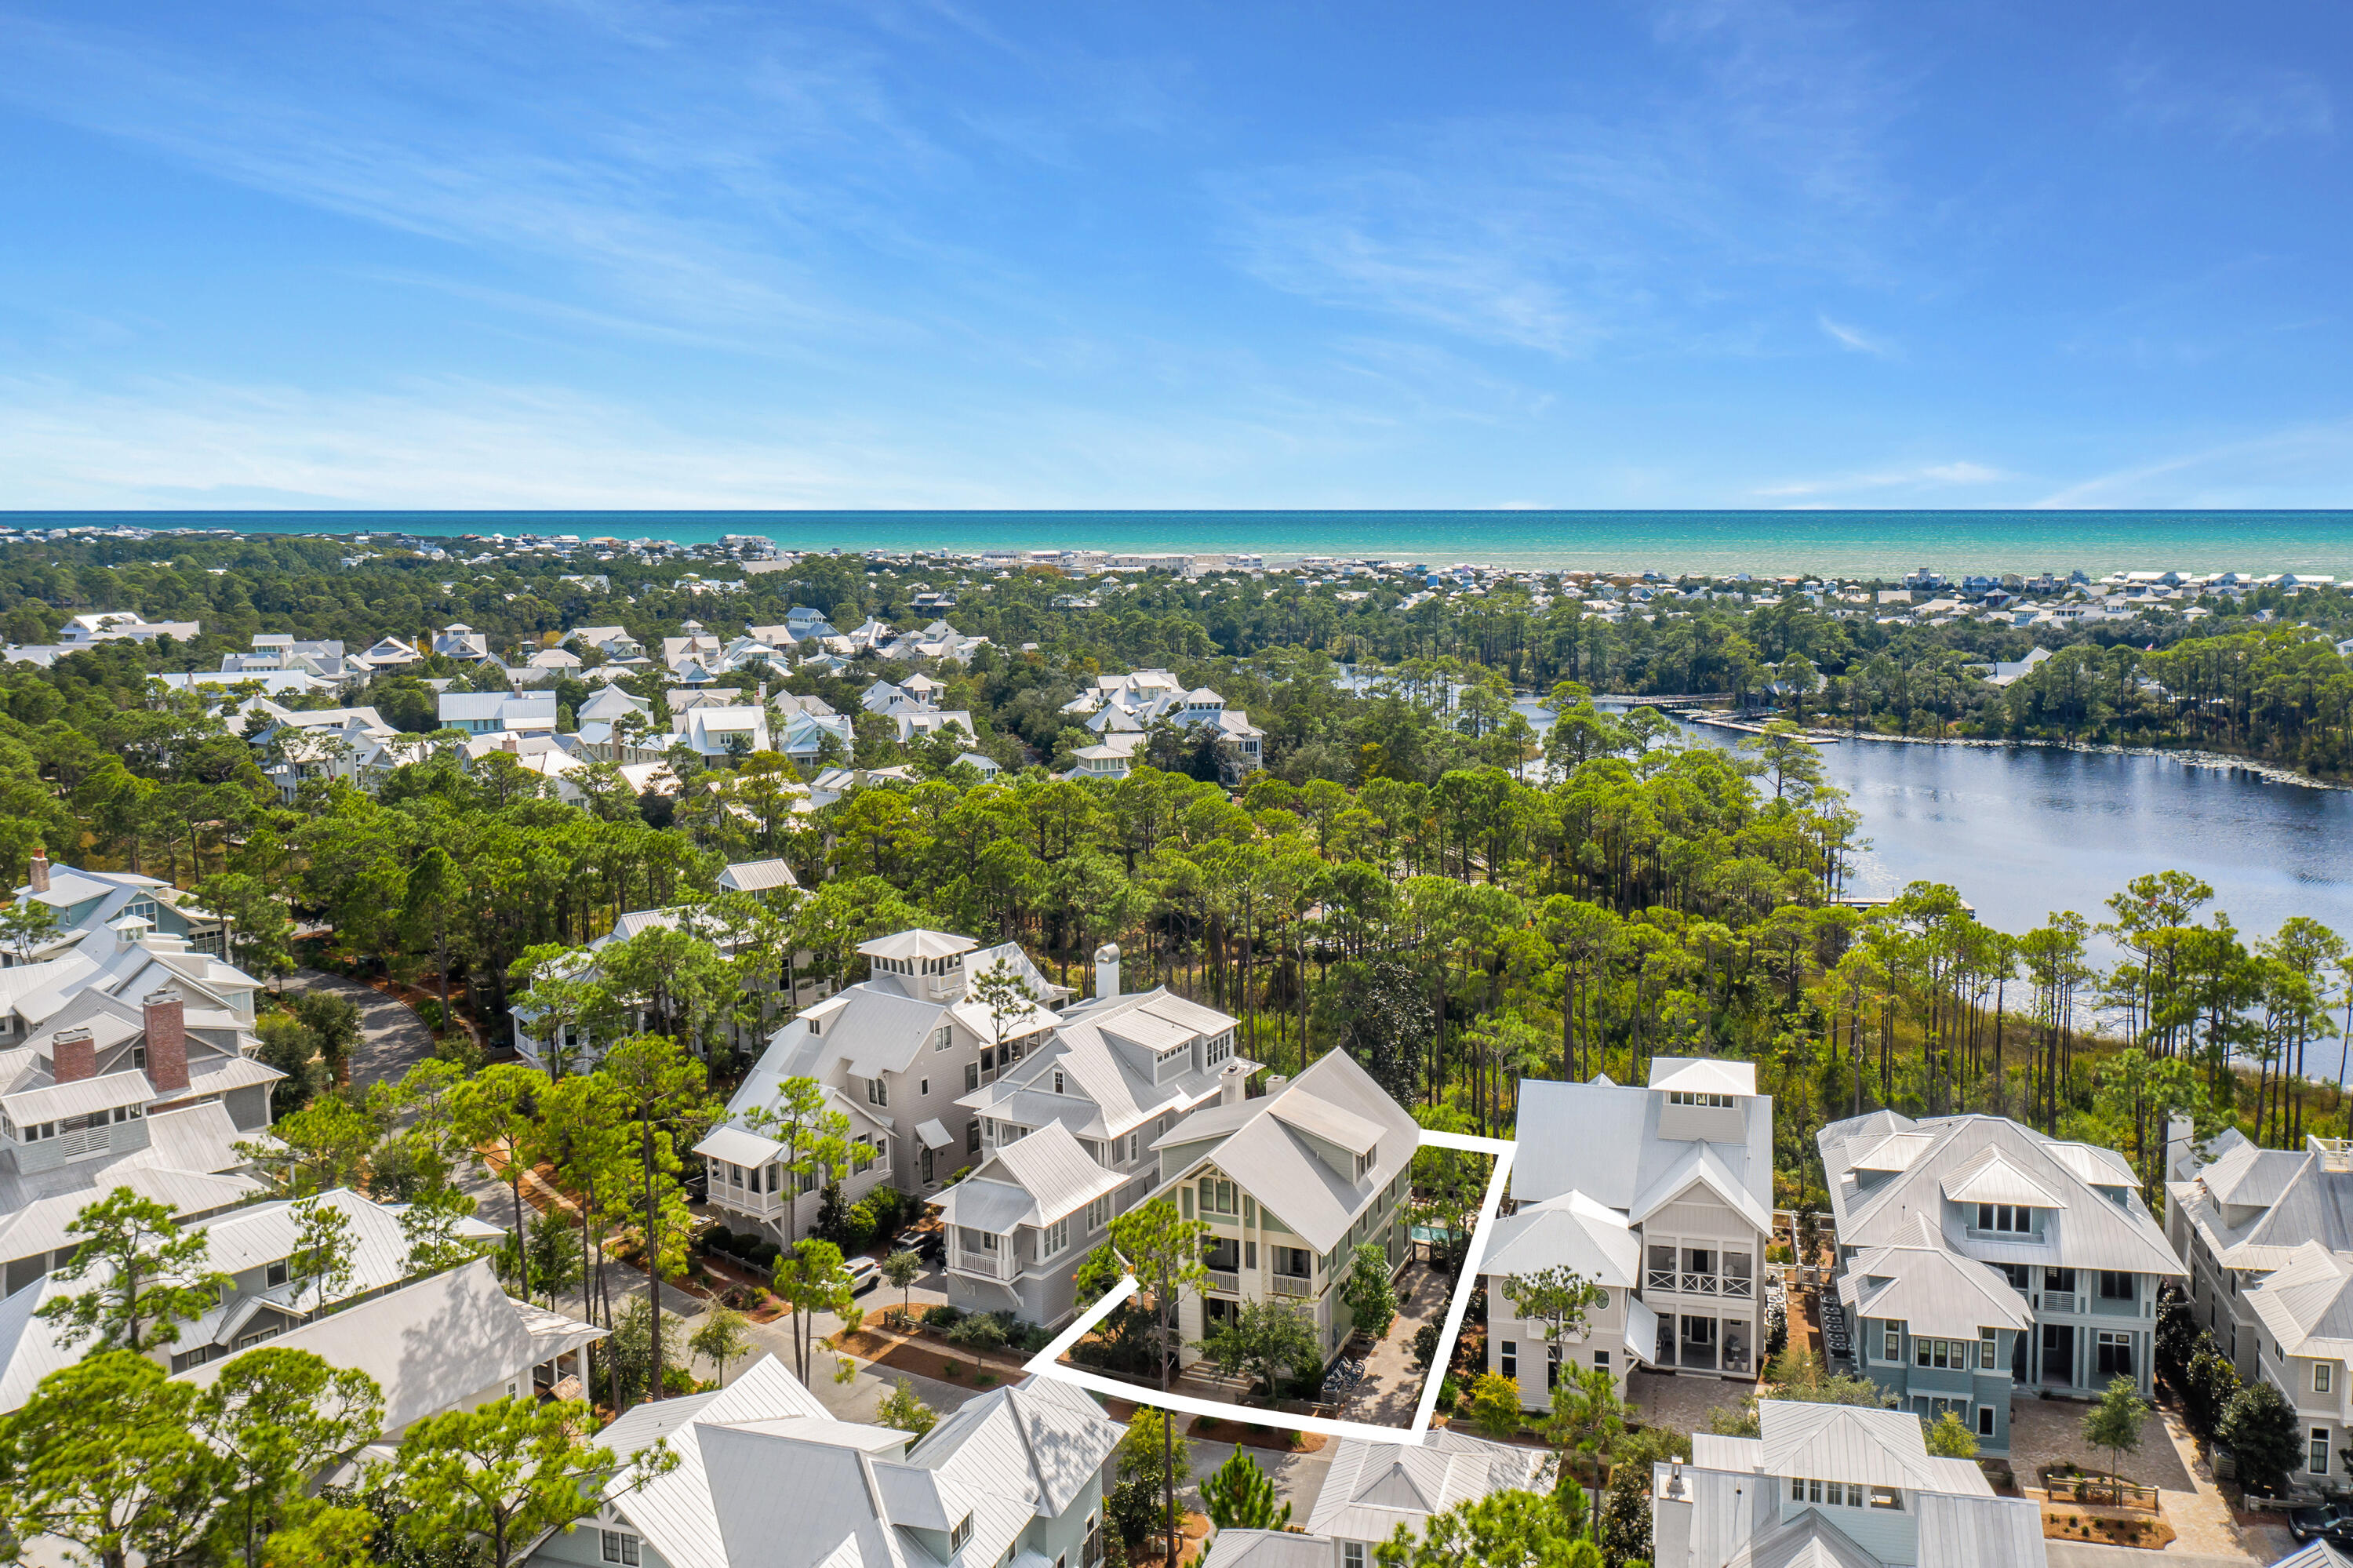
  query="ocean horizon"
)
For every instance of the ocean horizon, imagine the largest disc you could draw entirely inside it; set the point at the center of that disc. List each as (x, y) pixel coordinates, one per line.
(1854, 544)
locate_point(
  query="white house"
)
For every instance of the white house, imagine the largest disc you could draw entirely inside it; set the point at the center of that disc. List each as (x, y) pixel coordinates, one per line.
(1601, 1246)
(1291, 1183)
(892, 1053)
(766, 1477)
(1688, 1160)
(1834, 1486)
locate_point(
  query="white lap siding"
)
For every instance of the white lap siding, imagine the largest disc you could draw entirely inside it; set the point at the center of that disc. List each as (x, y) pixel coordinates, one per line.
(1697, 1224)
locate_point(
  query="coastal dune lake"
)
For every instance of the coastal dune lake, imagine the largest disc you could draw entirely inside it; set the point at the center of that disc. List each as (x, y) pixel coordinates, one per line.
(2024, 831)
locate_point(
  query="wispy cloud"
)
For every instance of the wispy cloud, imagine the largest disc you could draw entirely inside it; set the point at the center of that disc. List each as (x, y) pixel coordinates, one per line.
(2305, 464)
(1852, 337)
(2232, 105)
(1926, 478)
(1666, 224)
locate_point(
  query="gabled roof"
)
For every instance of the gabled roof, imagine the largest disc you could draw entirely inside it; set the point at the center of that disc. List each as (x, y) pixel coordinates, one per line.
(2097, 1220)
(2307, 1303)
(1699, 1165)
(1850, 1443)
(430, 1345)
(1267, 1549)
(1104, 1093)
(758, 878)
(1048, 1168)
(1704, 1075)
(1991, 1179)
(918, 944)
(1571, 1231)
(1043, 1436)
(1602, 1139)
(1268, 1157)
(1934, 1290)
(1372, 1488)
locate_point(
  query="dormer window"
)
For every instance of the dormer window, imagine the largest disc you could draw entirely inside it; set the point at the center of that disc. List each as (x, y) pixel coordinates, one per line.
(2017, 1219)
(1366, 1161)
(1691, 1097)
(816, 1025)
(961, 1534)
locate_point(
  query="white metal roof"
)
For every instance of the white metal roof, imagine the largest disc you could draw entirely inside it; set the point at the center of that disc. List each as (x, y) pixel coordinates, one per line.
(1280, 1169)
(918, 944)
(83, 1096)
(1373, 1487)
(1571, 1231)
(1850, 1443)
(1704, 1075)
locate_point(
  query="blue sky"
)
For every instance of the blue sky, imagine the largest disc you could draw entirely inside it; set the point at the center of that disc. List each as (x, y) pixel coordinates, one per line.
(597, 252)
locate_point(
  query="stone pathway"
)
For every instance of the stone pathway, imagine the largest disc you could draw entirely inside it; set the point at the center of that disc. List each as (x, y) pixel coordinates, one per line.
(1392, 1385)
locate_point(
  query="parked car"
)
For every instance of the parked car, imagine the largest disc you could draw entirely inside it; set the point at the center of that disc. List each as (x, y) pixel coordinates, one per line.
(865, 1274)
(922, 1244)
(2330, 1520)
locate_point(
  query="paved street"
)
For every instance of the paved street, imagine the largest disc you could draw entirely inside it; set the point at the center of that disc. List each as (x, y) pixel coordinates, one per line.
(393, 1038)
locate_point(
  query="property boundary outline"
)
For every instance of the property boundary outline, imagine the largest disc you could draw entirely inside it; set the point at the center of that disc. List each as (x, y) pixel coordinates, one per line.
(1047, 1361)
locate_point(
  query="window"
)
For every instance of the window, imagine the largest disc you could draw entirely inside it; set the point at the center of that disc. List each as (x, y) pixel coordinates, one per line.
(877, 1092)
(2317, 1462)
(1351, 1554)
(972, 1136)
(1507, 1358)
(2115, 1286)
(1602, 1359)
(1057, 1080)
(1893, 1347)
(1989, 1347)
(1985, 1420)
(1220, 1048)
(1943, 1353)
(1218, 1197)
(943, 1037)
(2015, 1218)
(1552, 1366)
(1887, 1496)
(275, 1274)
(1132, 1146)
(816, 1025)
(1687, 1097)
(924, 1088)
(139, 1057)
(971, 1076)
(2320, 1377)
(1797, 1489)
(2059, 1279)
(1053, 1239)
(1099, 1214)
(621, 1547)
(960, 1534)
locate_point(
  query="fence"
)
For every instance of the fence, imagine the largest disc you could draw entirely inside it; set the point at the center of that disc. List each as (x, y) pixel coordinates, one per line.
(2098, 1492)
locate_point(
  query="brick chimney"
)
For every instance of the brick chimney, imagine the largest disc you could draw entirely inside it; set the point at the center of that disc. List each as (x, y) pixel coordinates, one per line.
(40, 869)
(73, 1056)
(167, 1040)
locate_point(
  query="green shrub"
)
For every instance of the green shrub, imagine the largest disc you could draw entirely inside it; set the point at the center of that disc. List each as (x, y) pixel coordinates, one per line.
(942, 1316)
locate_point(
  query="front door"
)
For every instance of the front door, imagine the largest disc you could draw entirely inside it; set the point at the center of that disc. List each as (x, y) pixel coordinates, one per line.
(2059, 1353)
(1698, 1347)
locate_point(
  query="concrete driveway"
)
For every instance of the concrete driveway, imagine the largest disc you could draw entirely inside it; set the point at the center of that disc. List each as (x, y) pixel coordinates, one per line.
(393, 1039)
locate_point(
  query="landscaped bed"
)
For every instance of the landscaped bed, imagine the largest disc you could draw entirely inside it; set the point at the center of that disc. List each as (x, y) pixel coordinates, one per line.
(2104, 1526)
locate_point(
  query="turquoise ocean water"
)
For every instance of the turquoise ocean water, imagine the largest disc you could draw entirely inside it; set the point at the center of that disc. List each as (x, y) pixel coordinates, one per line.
(1850, 544)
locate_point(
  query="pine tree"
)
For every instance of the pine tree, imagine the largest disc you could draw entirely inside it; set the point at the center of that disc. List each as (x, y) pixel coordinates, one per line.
(1241, 1496)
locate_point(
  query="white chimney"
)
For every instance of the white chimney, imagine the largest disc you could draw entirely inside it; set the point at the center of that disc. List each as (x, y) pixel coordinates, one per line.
(1231, 1079)
(1107, 970)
